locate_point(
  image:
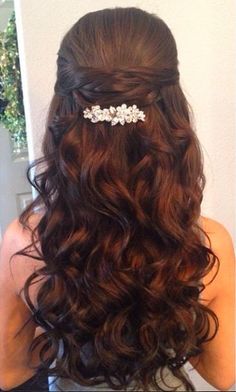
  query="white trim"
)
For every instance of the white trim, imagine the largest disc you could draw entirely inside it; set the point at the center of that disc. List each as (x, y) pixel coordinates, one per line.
(25, 85)
(24, 79)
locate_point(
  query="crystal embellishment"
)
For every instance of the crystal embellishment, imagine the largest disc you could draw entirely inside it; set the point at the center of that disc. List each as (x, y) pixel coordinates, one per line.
(120, 114)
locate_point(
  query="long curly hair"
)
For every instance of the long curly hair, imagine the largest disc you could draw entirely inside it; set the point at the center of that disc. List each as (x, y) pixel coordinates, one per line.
(119, 232)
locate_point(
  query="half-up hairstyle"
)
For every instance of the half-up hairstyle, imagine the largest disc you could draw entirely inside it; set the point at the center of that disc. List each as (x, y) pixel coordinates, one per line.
(119, 232)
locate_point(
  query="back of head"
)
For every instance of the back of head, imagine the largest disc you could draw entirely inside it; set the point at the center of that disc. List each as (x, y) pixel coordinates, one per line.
(119, 233)
(117, 54)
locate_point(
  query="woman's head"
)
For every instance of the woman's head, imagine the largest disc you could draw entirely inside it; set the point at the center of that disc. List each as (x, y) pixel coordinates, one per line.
(117, 54)
(120, 37)
(119, 232)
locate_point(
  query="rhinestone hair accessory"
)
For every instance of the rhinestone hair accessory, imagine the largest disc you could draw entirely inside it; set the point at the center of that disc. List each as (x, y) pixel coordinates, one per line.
(120, 114)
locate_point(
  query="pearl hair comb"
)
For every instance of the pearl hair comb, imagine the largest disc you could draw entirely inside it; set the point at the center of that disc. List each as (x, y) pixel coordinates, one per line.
(120, 114)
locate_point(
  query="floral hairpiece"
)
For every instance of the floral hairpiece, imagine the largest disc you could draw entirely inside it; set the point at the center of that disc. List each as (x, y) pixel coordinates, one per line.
(120, 114)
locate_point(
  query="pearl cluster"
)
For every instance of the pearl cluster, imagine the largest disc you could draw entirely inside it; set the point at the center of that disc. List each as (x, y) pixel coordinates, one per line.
(121, 114)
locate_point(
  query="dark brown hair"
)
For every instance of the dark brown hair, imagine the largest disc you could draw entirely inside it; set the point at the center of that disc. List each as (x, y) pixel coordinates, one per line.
(119, 234)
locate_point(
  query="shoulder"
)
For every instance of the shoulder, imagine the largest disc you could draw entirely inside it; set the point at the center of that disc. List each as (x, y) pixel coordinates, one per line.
(221, 243)
(217, 232)
(17, 235)
(16, 268)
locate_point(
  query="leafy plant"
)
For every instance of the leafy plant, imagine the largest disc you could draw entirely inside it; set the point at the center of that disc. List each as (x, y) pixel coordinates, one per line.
(11, 99)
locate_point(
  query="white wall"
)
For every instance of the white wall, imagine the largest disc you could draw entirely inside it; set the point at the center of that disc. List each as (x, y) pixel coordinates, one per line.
(205, 34)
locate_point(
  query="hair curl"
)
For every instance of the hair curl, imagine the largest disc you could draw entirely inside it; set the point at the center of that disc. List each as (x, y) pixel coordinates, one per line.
(119, 234)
